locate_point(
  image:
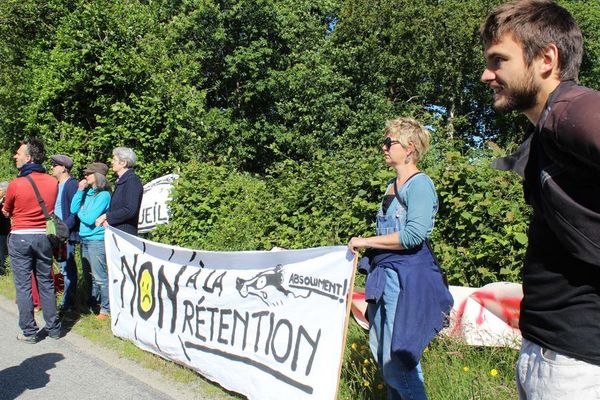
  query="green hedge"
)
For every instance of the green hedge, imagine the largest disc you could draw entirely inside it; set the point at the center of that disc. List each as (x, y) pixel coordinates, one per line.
(481, 227)
(480, 233)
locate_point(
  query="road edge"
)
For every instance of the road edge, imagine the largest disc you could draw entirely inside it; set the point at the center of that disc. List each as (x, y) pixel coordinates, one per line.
(153, 379)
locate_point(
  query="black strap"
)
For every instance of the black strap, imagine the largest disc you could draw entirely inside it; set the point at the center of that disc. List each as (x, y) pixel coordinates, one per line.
(39, 197)
(396, 184)
(435, 259)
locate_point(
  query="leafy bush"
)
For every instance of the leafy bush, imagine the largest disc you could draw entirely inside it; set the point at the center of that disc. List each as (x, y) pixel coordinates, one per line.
(327, 200)
(480, 233)
(214, 208)
(8, 171)
(299, 204)
(481, 226)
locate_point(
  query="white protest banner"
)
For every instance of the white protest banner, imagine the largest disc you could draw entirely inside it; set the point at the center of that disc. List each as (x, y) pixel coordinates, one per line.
(269, 325)
(154, 210)
(485, 316)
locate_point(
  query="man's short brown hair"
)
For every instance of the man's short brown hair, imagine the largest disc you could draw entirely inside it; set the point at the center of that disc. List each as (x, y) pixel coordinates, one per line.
(535, 24)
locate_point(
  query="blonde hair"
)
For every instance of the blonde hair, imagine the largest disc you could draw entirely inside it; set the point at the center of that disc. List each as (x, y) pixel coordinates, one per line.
(409, 131)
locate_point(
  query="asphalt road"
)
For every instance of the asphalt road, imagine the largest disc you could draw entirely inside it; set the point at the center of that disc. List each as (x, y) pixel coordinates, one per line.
(71, 368)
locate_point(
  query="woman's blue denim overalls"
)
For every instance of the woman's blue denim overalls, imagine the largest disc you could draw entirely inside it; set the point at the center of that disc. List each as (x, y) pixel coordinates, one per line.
(402, 382)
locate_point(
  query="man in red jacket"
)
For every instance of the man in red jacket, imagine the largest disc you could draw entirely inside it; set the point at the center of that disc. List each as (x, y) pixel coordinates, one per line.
(28, 247)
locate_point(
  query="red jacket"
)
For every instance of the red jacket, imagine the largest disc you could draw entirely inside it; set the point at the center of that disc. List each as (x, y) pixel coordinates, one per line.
(22, 204)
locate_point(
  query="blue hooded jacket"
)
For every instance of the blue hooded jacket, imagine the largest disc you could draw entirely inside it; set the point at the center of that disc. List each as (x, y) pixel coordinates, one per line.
(424, 300)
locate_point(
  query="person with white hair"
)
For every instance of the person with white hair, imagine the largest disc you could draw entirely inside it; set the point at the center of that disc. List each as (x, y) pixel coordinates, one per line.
(125, 203)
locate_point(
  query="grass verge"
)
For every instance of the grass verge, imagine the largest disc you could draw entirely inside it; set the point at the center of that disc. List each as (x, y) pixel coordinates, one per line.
(453, 370)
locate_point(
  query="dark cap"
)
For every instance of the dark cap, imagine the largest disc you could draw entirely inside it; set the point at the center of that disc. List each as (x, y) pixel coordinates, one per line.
(61, 159)
(98, 167)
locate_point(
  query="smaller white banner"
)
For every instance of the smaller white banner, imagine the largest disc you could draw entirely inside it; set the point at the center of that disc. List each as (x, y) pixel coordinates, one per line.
(486, 316)
(154, 209)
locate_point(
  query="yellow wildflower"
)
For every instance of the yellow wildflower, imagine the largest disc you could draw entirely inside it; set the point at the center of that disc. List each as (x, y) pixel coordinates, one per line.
(466, 369)
(366, 361)
(494, 372)
(366, 383)
(354, 346)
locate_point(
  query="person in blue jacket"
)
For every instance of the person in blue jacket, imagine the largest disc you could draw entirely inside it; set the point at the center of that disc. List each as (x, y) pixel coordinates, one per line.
(406, 291)
(126, 200)
(67, 187)
(92, 200)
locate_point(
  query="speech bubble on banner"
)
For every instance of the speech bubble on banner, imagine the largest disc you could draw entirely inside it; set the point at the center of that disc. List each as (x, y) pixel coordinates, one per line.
(155, 209)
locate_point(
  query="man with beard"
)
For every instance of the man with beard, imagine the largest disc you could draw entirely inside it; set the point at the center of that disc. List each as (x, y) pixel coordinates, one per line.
(533, 51)
(28, 246)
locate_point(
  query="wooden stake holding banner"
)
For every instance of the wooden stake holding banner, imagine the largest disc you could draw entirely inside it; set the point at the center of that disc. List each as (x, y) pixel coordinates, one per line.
(345, 333)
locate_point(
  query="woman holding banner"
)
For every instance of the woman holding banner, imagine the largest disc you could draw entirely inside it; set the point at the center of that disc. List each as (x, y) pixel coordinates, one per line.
(407, 296)
(90, 201)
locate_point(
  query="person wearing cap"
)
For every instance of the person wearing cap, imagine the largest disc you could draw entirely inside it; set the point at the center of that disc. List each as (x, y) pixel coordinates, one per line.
(67, 187)
(28, 246)
(126, 201)
(92, 200)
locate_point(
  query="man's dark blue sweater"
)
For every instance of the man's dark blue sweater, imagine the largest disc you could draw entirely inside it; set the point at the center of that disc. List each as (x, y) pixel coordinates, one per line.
(71, 220)
(125, 203)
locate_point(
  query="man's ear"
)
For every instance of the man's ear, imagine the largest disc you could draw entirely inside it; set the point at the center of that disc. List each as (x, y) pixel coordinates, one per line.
(548, 60)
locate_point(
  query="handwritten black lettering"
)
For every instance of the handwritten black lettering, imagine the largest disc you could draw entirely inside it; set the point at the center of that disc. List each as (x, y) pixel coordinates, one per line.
(223, 326)
(171, 292)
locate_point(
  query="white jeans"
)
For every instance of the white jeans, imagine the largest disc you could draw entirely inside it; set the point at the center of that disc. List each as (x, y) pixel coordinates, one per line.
(543, 374)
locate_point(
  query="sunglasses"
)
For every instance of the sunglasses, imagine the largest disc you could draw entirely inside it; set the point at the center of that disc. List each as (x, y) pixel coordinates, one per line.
(388, 142)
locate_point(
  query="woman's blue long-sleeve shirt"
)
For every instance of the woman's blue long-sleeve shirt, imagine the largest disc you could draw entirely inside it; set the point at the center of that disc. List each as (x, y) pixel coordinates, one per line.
(95, 204)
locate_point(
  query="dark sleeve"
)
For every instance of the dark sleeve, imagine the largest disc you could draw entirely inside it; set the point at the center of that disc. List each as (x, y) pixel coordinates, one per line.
(578, 129)
(123, 211)
(69, 192)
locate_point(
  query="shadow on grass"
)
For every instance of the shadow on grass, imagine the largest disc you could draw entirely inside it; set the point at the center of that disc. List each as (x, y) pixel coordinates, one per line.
(70, 318)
